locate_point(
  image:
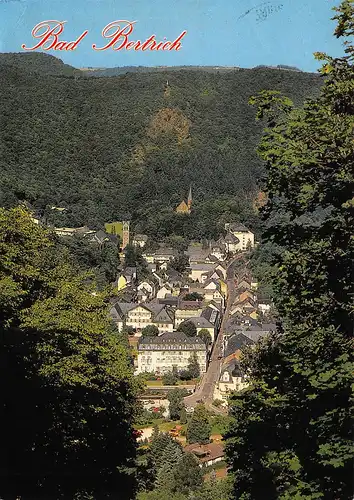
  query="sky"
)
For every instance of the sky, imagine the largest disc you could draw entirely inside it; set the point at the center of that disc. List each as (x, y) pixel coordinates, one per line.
(243, 33)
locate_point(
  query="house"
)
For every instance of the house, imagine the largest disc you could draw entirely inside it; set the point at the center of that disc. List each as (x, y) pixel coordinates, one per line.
(213, 316)
(198, 270)
(235, 343)
(170, 301)
(202, 323)
(130, 274)
(256, 332)
(207, 454)
(222, 268)
(140, 315)
(171, 349)
(120, 283)
(232, 243)
(242, 233)
(230, 379)
(218, 249)
(196, 252)
(244, 294)
(143, 295)
(183, 208)
(163, 254)
(152, 267)
(163, 291)
(187, 309)
(100, 238)
(264, 305)
(71, 231)
(173, 277)
(140, 240)
(212, 291)
(247, 306)
(148, 286)
(244, 283)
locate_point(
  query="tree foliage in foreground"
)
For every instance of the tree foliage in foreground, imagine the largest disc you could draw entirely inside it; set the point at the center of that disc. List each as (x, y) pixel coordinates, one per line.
(199, 429)
(68, 403)
(292, 433)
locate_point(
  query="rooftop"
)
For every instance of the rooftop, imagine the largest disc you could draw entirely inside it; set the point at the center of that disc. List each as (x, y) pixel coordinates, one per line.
(172, 338)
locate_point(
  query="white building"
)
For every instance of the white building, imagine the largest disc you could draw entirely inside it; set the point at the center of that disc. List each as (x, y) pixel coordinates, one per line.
(140, 240)
(140, 315)
(171, 349)
(186, 310)
(244, 235)
(231, 379)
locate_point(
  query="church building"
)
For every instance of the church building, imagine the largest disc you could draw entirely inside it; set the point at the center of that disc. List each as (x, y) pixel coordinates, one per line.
(183, 207)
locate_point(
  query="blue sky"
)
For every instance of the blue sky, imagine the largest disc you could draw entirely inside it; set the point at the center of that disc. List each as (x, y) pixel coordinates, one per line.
(219, 32)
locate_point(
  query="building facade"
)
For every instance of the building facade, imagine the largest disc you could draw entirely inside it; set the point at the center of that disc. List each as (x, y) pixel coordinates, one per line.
(171, 349)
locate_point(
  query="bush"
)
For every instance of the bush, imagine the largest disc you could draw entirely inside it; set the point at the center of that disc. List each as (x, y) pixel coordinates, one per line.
(169, 379)
(217, 402)
(185, 375)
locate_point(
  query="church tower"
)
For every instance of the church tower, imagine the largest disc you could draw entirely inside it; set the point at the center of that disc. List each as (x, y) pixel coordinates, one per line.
(189, 203)
(126, 233)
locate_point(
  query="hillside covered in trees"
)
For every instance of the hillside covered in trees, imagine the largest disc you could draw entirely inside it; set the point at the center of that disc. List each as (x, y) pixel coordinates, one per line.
(132, 144)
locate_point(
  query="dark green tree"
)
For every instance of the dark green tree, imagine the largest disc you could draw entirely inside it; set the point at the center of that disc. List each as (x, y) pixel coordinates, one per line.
(175, 397)
(169, 461)
(193, 366)
(292, 432)
(169, 379)
(188, 328)
(69, 400)
(205, 336)
(193, 296)
(183, 415)
(180, 263)
(187, 475)
(150, 331)
(199, 429)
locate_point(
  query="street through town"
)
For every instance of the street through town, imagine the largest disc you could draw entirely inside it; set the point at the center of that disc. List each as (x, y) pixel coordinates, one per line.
(204, 392)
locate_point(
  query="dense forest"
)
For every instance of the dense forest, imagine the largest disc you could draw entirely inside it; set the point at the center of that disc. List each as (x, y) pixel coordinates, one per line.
(109, 147)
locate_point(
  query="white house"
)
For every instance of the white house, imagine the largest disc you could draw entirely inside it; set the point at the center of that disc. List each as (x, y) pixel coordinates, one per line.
(242, 233)
(140, 315)
(140, 240)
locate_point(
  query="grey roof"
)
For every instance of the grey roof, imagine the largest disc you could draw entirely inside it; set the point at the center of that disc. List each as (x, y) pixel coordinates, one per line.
(159, 311)
(210, 315)
(231, 238)
(236, 342)
(238, 227)
(129, 271)
(212, 258)
(255, 335)
(199, 322)
(169, 300)
(233, 368)
(202, 267)
(172, 338)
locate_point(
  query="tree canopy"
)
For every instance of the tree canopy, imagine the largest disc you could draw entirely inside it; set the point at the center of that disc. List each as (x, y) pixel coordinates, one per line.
(292, 433)
(199, 429)
(69, 398)
(202, 134)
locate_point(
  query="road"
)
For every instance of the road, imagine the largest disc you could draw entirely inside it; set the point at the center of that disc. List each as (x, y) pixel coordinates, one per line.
(205, 390)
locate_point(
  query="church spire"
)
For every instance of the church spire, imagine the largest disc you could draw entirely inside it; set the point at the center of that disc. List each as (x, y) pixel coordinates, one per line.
(190, 197)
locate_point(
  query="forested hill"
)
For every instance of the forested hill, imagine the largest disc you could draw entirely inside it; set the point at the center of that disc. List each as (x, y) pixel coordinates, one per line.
(38, 62)
(134, 143)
